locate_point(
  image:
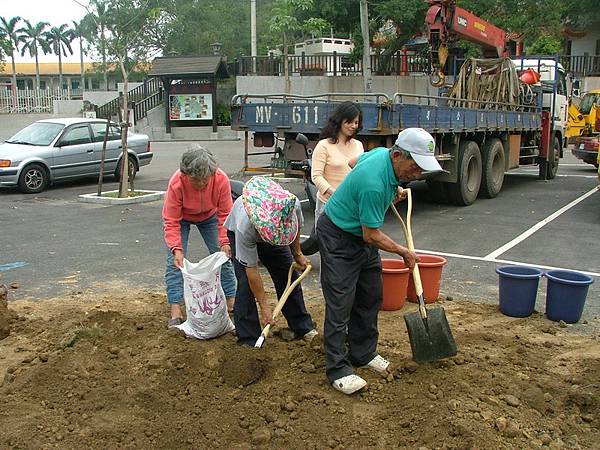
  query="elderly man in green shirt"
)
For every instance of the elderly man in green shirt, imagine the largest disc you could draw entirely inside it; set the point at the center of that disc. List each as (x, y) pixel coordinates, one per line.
(349, 235)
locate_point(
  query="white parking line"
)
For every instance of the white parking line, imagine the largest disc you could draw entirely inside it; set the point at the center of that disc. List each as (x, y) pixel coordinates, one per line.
(578, 176)
(532, 172)
(537, 226)
(502, 261)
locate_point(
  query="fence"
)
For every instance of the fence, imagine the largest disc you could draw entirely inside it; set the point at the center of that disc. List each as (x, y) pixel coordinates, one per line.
(581, 66)
(149, 88)
(34, 100)
(334, 65)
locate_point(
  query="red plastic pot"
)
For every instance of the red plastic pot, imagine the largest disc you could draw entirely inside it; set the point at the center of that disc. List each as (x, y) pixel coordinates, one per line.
(395, 284)
(430, 269)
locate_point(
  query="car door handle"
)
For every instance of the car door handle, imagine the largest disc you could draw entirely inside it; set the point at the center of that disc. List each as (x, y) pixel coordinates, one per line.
(91, 151)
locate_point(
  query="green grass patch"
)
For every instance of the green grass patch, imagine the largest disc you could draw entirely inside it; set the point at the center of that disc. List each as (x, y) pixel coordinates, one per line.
(129, 194)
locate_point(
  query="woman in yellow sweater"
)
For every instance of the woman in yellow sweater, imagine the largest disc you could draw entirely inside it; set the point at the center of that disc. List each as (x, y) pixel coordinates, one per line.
(332, 153)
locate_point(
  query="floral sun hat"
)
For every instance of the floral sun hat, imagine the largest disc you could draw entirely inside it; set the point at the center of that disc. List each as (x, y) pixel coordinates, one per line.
(271, 209)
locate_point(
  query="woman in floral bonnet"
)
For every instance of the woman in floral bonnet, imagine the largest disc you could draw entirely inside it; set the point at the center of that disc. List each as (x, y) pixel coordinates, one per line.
(264, 226)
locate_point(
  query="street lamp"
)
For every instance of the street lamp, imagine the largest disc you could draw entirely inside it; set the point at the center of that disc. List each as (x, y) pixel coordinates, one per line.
(216, 48)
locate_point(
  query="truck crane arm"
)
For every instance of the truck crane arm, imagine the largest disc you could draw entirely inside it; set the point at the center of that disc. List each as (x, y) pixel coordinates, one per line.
(447, 23)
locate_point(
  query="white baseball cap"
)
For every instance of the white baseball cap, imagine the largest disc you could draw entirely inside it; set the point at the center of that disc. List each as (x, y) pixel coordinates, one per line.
(421, 145)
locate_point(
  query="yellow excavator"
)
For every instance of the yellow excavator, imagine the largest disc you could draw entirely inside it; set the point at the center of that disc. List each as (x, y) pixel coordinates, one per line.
(584, 127)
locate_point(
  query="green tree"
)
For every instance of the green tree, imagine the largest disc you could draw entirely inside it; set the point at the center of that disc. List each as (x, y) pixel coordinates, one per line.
(59, 40)
(581, 13)
(195, 27)
(79, 31)
(284, 22)
(9, 29)
(135, 31)
(529, 21)
(33, 40)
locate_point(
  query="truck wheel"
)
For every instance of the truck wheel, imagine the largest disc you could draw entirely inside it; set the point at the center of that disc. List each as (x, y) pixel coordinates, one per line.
(437, 191)
(493, 164)
(548, 169)
(464, 191)
(33, 179)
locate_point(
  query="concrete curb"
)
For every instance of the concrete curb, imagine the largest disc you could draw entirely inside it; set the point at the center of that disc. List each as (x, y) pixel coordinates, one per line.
(149, 196)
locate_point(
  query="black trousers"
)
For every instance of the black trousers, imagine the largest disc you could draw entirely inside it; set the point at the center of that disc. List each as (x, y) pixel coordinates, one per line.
(277, 260)
(352, 286)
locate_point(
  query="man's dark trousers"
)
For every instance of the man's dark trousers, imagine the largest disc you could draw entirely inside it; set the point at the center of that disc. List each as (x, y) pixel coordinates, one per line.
(352, 286)
(277, 260)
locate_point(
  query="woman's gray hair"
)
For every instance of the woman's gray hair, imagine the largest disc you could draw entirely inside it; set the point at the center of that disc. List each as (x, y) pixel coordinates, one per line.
(198, 162)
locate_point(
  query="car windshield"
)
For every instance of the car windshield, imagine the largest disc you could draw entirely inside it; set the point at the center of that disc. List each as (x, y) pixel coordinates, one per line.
(38, 133)
(586, 103)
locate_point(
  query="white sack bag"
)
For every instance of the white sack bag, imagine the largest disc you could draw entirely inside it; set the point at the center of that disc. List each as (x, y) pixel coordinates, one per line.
(205, 301)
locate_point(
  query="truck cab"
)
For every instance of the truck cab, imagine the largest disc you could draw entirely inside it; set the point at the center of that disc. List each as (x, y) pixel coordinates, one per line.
(556, 85)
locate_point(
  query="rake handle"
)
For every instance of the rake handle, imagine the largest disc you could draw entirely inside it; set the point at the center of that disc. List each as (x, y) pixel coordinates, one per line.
(411, 246)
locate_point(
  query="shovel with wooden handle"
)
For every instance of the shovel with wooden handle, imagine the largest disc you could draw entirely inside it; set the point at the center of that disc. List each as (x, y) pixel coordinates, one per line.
(428, 330)
(288, 290)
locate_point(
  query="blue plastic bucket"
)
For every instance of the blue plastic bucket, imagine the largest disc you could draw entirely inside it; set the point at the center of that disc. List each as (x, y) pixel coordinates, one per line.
(565, 295)
(518, 289)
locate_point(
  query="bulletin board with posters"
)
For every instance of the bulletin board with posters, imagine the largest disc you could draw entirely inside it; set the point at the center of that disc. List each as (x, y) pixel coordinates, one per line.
(190, 107)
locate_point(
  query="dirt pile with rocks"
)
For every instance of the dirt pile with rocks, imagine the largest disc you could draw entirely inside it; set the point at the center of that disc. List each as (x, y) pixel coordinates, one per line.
(100, 370)
(4, 313)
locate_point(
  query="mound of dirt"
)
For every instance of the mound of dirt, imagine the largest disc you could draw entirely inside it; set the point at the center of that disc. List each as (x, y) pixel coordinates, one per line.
(4, 314)
(101, 371)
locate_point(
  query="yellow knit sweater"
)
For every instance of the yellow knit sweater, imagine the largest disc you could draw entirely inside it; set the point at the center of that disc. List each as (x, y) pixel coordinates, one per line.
(330, 163)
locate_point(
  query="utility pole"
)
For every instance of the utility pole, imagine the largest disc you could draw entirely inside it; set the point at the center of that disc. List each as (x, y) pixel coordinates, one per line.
(364, 29)
(253, 34)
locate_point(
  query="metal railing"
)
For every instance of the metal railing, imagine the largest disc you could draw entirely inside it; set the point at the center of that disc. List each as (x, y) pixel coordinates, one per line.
(26, 101)
(149, 88)
(397, 64)
(141, 108)
(581, 66)
(332, 65)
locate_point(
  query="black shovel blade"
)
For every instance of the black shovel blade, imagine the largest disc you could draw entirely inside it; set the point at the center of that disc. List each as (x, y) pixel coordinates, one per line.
(431, 341)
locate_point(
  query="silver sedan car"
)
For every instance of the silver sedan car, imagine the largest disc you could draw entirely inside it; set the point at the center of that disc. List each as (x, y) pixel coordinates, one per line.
(61, 149)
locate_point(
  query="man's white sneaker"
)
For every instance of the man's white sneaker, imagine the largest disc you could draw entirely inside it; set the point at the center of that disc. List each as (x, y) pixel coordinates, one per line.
(308, 337)
(349, 384)
(379, 364)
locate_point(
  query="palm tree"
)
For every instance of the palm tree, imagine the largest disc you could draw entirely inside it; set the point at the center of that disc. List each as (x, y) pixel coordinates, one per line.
(59, 40)
(11, 33)
(33, 40)
(95, 30)
(79, 29)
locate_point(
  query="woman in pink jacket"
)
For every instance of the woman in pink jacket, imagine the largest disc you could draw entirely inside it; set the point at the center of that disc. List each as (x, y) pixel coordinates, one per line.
(198, 195)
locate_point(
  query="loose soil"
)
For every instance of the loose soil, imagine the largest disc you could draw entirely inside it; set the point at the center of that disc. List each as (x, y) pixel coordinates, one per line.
(99, 370)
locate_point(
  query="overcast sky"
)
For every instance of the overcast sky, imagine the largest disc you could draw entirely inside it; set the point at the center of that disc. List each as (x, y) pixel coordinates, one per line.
(56, 12)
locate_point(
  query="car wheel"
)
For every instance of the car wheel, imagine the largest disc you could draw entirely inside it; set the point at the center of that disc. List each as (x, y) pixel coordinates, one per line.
(33, 179)
(133, 168)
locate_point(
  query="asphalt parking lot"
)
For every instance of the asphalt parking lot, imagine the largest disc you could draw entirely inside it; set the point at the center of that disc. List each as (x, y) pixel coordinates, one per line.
(53, 245)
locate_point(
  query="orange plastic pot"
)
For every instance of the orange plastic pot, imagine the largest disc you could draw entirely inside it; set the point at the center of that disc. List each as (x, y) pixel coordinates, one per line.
(530, 76)
(395, 284)
(430, 269)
